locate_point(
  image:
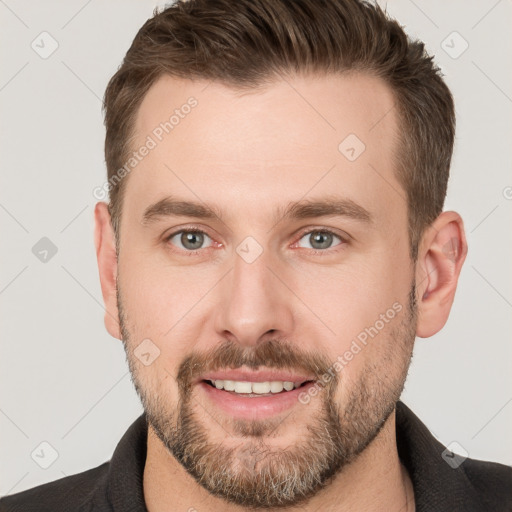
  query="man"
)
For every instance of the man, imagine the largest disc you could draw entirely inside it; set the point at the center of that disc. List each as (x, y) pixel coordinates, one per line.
(273, 244)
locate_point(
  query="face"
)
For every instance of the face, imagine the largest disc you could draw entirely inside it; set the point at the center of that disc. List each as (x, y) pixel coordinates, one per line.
(291, 266)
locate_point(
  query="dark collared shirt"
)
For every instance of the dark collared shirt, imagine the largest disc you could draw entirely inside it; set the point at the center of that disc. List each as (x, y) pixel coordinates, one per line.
(442, 481)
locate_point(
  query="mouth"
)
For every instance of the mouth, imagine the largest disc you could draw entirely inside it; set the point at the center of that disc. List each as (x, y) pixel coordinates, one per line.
(255, 389)
(254, 396)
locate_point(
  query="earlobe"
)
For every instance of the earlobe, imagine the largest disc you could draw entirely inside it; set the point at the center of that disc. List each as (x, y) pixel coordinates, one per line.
(441, 255)
(104, 241)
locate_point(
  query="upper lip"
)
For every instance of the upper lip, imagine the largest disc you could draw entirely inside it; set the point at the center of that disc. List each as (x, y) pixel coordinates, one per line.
(256, 376)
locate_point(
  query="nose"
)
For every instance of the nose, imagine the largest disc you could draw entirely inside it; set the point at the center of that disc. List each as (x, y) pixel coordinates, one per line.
(253, 302)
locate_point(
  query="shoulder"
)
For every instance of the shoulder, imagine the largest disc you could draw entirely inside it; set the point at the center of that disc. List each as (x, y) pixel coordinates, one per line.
(492, 482)
(444, 480)
(74, 492)
(117, 481)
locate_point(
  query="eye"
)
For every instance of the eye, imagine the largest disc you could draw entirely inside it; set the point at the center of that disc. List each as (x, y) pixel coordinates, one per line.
(320, 239)
(190, 239)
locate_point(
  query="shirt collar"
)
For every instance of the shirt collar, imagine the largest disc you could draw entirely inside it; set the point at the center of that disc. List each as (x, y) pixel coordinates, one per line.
(437, 485)
(125, 477)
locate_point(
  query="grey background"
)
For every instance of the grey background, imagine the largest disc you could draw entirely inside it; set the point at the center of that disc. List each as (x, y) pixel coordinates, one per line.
(64, 380)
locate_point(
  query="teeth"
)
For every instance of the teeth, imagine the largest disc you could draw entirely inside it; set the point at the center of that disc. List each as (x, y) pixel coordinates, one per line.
(242, 387)
(276, 387)
(259, 388)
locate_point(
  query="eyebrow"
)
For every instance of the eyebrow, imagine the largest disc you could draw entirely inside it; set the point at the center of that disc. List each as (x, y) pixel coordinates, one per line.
(172, 207)
(333, 206)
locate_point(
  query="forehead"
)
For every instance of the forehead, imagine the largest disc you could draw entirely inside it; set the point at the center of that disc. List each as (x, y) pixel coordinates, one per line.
(272, 144)
(324, 108)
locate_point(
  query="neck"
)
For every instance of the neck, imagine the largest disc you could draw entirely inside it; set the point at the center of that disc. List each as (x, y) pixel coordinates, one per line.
(375, 481)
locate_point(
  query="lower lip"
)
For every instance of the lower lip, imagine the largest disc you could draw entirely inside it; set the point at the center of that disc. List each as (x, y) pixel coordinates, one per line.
(255, 407)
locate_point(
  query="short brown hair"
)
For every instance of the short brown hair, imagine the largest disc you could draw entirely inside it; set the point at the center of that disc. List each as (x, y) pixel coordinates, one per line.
(247, 43)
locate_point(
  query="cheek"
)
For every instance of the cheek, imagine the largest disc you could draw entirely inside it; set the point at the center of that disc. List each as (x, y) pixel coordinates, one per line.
(165, 303)
(350, 298)
(359, 309)
(149, 286)
(151, 310)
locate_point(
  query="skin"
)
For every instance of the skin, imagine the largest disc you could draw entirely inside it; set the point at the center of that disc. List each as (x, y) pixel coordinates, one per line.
(248, 154)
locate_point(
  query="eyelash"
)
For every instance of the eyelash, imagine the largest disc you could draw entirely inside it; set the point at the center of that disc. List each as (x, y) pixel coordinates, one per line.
(319, 252)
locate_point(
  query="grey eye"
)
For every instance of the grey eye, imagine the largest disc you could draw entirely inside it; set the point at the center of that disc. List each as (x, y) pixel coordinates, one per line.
(190, 240)
(319, 239)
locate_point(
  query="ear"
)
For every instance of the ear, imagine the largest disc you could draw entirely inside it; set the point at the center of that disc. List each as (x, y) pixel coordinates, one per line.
(104, 240)
(441, 253)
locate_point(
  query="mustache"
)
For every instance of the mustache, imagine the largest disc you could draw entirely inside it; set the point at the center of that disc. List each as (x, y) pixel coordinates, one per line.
(273, 353)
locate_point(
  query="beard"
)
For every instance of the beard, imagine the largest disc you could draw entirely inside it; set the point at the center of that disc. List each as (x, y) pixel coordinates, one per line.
(255, 474)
